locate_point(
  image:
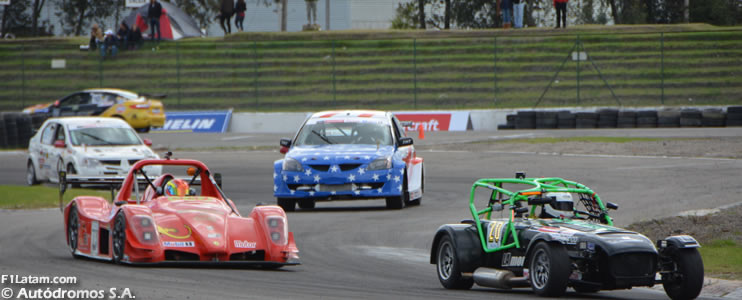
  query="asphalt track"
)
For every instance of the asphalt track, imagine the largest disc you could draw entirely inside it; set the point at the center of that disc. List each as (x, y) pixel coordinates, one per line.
(358, 249)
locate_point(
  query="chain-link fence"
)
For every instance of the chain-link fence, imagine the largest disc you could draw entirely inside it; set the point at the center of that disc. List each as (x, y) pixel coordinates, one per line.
(550, 70)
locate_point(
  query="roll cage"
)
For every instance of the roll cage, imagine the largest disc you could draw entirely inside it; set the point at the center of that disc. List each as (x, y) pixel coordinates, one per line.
(533, 197)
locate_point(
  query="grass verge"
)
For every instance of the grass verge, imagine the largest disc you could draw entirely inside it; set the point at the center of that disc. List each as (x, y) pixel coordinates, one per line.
(722, 259)
(39, 196)
(586, 139)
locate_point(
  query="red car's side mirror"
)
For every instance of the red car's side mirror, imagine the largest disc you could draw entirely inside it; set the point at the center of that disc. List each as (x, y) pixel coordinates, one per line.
(284, 150)
(59, 144)
(148, 142)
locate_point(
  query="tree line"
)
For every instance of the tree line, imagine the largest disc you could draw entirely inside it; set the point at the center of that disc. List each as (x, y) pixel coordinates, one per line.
(473, 14)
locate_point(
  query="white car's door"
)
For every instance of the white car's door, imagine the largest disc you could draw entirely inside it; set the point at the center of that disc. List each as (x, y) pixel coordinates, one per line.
(55, 153)
(43, 149)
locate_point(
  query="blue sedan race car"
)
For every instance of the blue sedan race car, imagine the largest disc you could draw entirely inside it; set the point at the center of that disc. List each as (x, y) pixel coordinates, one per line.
(347, 155)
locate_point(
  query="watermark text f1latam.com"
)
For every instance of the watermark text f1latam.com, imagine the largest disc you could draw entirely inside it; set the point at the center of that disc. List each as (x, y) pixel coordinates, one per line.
(30, 279)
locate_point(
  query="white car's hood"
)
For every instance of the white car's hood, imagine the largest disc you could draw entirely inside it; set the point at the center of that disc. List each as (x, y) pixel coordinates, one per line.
(116, 152)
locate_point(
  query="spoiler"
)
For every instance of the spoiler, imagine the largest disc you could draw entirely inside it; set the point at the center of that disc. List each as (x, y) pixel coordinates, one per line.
(111, 182)
(153, 96)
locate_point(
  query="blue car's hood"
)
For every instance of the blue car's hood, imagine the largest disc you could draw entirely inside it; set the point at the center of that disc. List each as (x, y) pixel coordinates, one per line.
(338, 153)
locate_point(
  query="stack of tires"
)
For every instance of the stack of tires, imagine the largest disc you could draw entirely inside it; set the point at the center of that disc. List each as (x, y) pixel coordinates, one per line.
(668, 118)
(566, 119)
(11, 129)
(690, 117)
(586, 120)
(646, 119)
(3, 135)
(626, 119)
(509, 124)
(712, 117)
(607, 118)
(25, 129)
(734, 116)
(526, 120)
(38, 119)
(546, 120)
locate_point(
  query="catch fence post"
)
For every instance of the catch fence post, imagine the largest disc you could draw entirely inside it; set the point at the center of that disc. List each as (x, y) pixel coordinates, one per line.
(579, 50)
(255, 72)
(23, 75)
(177, 67)
(494, 69)
(414, 69)
(334, 87)
(662, 67)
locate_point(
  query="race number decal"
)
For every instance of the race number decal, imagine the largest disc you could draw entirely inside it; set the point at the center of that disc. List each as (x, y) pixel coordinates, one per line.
(495, 231)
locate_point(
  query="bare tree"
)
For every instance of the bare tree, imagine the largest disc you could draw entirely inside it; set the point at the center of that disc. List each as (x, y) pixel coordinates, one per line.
(447, 15)
(421, 12)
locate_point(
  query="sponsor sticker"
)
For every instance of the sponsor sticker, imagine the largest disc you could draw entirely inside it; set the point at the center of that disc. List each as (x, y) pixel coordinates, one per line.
(508, 260)
(188, 244)
(244, 244)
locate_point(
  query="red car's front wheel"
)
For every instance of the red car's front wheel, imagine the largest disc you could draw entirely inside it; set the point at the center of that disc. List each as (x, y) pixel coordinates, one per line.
(119, 237)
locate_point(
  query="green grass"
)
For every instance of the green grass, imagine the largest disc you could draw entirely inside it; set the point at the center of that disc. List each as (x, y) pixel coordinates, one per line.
(382, 69)
(585, 139)
(39, 196)
(722, 259)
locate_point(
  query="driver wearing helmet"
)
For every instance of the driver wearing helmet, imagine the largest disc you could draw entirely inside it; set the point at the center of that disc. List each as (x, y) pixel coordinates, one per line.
(561, 204)
(176, 187)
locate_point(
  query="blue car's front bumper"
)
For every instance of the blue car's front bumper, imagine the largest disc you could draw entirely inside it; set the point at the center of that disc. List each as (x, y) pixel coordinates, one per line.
(337, 184)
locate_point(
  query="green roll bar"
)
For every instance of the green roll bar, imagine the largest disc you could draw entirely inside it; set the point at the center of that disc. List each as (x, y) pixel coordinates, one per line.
(540, 186)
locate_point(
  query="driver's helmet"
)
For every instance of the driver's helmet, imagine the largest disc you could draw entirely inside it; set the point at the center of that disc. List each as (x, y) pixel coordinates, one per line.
(562, 202)
(176, 187)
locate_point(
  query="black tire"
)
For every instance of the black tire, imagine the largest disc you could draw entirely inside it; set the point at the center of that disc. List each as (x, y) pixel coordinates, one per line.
(31, 174)
(119, 237)
(690, 268)
(306, 203)
(11, 129)
(448, 268)
(3, 134)
(287, 204)
(73, 223)
(549, 268)
(25, 130)
(734, 109)
(394, 202)
(586, 289)
(144, 130)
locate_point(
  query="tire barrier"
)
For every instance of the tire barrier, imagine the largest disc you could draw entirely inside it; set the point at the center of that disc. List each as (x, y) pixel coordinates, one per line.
(16, 129)
(615, 118)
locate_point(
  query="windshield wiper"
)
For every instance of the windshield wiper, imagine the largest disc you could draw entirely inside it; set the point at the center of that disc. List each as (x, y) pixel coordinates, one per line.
(324, 138)
(96, 138)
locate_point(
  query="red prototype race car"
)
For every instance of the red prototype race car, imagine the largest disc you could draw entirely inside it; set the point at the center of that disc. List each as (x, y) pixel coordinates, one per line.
(149, 222)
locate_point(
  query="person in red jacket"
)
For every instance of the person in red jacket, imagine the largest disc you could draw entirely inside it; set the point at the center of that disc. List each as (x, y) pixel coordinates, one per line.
(561, 12)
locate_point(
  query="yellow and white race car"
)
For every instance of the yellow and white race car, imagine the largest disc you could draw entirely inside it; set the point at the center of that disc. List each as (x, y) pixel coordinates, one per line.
(141, 112)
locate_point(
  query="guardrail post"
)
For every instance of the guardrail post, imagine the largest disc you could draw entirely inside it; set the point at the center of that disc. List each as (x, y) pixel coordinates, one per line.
(662, 67)
(414, 70)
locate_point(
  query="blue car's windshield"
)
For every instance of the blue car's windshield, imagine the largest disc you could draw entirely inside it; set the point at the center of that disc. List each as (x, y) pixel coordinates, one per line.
(322, 133)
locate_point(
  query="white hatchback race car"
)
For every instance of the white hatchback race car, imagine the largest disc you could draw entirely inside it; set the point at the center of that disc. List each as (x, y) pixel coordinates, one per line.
(88, 146)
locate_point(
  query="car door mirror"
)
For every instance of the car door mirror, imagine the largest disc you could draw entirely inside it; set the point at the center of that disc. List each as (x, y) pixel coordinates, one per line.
(405, 141)
(59, 144)
(611, 205)
(285, 143)
(148, 142)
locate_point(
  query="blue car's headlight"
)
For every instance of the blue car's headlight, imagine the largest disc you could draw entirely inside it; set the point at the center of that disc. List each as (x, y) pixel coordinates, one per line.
(380, 164)
(290, 164)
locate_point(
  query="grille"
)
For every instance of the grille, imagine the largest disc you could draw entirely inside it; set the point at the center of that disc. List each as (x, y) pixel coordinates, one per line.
(348, 167)
(180, 256)
(633, 264)
(115, 162)
(257, 255)
(323, 168)
(133, 161)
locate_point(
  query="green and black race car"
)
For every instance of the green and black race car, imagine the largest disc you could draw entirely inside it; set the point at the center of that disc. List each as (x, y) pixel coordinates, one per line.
(553, 234)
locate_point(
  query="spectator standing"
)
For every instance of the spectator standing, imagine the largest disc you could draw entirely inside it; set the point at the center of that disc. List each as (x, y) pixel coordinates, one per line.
(109, 43)
(507, 12)
(226, 15)
(96, 37)
(123, 36)
(561, 13)
(311, 11)
(518, 6)
(154, 12)
(239, 19)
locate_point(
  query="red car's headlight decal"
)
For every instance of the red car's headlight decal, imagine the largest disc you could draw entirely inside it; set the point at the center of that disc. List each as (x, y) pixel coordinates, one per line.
(277, 229)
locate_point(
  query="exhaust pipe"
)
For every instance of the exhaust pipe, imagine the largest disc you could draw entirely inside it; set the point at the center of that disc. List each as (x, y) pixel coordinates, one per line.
(499, 279)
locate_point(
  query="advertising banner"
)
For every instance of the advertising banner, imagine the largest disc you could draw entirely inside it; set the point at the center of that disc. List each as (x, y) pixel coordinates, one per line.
(4, 2)
(435, 120)
(196, 121)
(135, 3)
